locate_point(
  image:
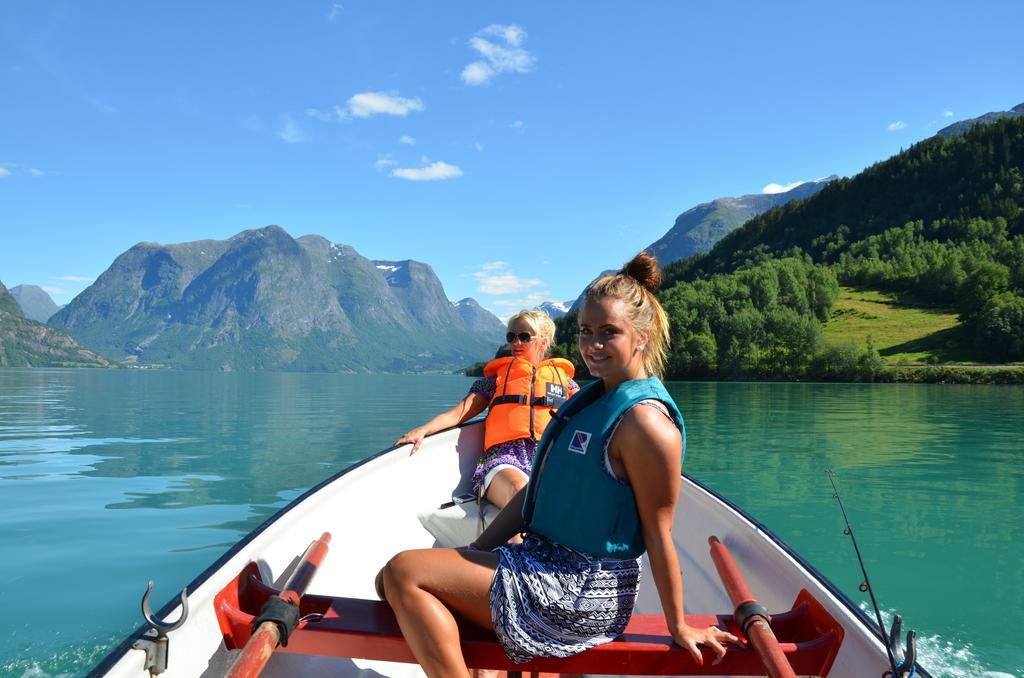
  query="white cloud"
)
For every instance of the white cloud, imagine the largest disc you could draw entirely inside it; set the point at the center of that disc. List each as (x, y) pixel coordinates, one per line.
(531, 300)
(477, 73)
(369, 104)
(290, 132)
(336, 9)
(432, 172)
(780, 188)
(947, 114)
(35, 172)
(52, 290)
(384, 161)
(76, 278)
(407, 140)
(495, 277)
(4, 172)
(508, 57)
(504, 283)
(896, 126)
(512, 34)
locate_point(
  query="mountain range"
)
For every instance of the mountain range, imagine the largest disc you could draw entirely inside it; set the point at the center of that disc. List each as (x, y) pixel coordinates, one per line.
(27, 343)
(265, 300)
(34, 302)
(698, 229)
(941, 182)
(480, 320)
(555, 309)
(964, 125)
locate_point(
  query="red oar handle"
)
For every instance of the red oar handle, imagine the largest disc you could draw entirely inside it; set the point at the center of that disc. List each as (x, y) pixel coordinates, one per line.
(266, 638)
(311, 561)
(749, 614)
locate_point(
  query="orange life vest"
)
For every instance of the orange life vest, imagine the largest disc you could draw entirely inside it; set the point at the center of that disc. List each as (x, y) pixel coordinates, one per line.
(525, 397)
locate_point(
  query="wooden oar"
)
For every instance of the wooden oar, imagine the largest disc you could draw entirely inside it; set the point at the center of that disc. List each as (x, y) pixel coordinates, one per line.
(751, 617)
(267, 637)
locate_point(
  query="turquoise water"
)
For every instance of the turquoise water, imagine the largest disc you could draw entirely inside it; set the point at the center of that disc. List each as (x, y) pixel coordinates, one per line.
(110, 478)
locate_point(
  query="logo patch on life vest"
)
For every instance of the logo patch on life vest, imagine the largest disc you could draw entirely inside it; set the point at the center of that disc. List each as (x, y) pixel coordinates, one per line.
(580, 440)
(554, 395)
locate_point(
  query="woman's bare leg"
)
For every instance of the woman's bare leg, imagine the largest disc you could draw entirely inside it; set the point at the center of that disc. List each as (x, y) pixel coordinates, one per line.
(504, 485)
(424, 588)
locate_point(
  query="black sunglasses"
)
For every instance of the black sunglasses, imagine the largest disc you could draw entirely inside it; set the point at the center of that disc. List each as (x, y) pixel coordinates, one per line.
(523, 337)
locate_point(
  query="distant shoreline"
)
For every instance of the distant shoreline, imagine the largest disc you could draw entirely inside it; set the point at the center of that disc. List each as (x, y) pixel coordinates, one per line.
(992, 375)
(987, 375)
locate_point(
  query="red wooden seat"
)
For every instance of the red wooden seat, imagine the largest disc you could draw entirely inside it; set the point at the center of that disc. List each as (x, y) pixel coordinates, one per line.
(367, 629)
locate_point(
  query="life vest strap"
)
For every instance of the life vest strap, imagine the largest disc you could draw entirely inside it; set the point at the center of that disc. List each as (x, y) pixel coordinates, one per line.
(538, 401)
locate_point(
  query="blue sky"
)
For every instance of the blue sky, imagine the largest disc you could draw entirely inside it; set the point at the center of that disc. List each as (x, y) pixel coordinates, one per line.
(518, 148)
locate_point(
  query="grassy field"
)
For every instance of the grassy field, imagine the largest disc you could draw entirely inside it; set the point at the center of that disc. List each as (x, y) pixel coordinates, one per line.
(903, 333)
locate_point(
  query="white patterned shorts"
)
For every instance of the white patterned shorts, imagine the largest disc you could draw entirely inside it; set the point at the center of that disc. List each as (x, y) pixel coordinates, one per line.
(551, 601)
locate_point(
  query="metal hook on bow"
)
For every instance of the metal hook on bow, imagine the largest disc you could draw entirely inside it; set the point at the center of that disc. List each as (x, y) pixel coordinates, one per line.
(162, 625)
(154, 642)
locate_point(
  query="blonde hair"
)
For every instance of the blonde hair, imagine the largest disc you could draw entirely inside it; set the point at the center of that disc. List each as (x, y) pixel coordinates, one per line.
(540, 322)
(635, 285)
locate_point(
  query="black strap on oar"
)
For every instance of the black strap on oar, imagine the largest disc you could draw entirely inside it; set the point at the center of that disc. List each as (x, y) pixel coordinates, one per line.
(283, 613)
(865, 586)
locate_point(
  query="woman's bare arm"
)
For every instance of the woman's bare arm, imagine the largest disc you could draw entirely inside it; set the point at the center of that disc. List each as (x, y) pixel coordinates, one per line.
(649, 446)
(470, 406)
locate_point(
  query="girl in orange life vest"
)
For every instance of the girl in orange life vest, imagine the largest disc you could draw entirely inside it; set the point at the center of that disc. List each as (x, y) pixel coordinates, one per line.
(521, 390)
(507, 587)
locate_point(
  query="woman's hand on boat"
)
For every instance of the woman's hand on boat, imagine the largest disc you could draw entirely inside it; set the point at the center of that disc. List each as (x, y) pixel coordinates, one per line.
(415, 436)
(689, 637)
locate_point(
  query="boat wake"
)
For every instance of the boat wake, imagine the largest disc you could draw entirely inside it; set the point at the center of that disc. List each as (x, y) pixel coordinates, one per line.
(75, 659)
(948, 658)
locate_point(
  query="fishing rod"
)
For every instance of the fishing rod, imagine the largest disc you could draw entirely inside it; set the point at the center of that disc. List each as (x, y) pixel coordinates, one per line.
(897, 668)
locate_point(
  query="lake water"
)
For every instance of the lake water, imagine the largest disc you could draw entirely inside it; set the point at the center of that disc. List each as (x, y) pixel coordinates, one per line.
(109, 478)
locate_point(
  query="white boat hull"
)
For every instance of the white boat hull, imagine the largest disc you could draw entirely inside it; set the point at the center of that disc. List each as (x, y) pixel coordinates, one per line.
(371, 511)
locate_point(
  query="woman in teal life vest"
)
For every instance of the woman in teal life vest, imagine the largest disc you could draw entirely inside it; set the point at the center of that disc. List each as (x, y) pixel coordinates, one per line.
(520, 392)
(603, 490)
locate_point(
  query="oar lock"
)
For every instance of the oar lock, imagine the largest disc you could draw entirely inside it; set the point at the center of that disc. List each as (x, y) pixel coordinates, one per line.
(154, 641)
(905, 656)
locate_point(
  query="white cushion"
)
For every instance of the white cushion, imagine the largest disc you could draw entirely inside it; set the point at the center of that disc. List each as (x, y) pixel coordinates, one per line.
(456, 525)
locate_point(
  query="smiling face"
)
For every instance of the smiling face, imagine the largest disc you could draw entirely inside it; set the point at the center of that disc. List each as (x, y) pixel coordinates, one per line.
(532, 350)
(609, 344)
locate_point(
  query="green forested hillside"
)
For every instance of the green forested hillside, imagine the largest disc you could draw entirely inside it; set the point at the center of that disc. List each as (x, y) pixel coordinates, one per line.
(939, 226)
(945, 183)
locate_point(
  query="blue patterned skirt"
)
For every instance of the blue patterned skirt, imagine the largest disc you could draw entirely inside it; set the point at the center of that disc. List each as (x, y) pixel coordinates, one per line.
(550, 601)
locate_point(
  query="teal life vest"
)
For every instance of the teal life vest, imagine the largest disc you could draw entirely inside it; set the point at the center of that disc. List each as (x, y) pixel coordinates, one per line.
(571, 498)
